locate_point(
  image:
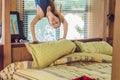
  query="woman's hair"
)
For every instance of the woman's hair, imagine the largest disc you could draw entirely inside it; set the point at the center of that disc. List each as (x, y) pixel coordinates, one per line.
(55, 11)
(52, 6)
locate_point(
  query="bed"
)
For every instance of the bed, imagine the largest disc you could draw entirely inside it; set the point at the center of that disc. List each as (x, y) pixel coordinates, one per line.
(71, 62)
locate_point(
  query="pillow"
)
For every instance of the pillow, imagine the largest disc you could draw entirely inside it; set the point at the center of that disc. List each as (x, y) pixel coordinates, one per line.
(45, 53)
(95, 47)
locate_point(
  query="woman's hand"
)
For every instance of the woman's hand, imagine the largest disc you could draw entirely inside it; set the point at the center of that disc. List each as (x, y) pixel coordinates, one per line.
(35, 42)
(61, 38)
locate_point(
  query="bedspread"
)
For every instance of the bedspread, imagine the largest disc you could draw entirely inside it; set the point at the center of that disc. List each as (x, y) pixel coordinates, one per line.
(67, 72)
(66, 68)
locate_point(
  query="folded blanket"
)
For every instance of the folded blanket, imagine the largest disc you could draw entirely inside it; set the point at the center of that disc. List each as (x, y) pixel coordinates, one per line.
(84, 57)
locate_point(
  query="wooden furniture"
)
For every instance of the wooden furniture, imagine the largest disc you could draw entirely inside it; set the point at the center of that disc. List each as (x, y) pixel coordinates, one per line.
(6, 37)
(111, 11)
(1, 57)
(116, 42)
(19, 52)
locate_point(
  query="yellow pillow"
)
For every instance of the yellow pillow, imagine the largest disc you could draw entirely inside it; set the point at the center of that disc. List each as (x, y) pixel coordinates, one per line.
(95, 47)
(45, 53)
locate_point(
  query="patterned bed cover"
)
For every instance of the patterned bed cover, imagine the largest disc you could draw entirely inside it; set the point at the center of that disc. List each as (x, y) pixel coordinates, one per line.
(96, 66)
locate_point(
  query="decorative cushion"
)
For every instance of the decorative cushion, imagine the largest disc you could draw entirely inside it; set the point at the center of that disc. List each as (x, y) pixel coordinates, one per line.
(45, 53)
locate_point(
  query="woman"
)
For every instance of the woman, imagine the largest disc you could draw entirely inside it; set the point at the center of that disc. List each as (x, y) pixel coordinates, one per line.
(47, 8)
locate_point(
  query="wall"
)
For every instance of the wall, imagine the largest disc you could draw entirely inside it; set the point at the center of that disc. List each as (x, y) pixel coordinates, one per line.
(98, 10)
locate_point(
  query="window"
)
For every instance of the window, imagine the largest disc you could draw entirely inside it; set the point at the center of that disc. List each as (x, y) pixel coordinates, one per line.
(74, 11)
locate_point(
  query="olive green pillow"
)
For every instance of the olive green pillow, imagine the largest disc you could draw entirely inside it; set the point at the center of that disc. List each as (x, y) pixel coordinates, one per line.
(45, 53)
(95, 47)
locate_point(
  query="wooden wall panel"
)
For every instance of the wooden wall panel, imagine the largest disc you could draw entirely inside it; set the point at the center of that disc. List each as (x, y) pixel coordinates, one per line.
(20, 53)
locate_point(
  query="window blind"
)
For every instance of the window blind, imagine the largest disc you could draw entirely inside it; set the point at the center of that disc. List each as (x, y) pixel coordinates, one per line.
(76, 12)
(43, 31)
(23, 17)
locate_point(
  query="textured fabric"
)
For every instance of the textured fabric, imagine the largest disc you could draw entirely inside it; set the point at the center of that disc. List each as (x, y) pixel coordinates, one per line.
(45, 53)
(43, 5)
(101, 71)
(83, 56)
(95, 47)
(69, 70)
(7, 72)
(83, 78)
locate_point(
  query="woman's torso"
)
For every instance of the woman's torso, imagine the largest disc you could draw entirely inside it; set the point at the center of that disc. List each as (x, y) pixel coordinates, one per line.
(43, 4)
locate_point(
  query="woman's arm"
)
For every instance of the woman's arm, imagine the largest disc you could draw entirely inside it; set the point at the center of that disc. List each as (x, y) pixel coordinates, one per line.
(65, 26)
